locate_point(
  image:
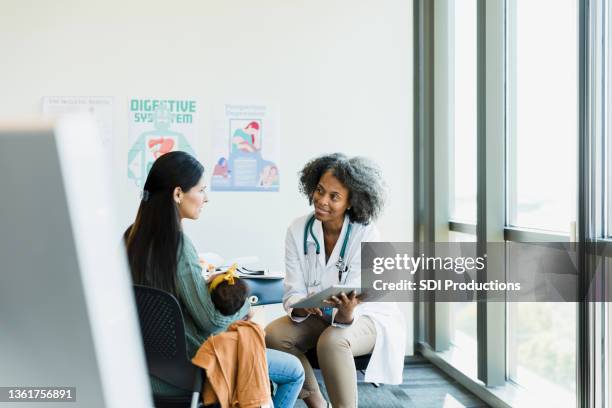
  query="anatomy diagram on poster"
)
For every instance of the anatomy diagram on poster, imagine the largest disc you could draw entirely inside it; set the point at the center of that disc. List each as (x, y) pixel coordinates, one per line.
(246, 149)
(156, 127)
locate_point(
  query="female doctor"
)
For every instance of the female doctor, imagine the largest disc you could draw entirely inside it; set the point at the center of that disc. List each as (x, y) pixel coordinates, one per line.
(322, 249)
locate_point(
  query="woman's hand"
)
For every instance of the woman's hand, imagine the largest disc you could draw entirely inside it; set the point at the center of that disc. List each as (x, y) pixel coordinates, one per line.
(346, 305)
(303, 312)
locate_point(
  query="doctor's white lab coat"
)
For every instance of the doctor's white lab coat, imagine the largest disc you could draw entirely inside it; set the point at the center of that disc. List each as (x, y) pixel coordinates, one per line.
(387, 362)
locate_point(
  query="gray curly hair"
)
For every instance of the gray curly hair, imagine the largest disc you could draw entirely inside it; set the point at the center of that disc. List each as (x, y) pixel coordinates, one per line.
(361, 176)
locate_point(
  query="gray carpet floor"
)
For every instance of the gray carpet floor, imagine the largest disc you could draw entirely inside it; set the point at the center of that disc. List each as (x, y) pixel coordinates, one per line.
(424, 386)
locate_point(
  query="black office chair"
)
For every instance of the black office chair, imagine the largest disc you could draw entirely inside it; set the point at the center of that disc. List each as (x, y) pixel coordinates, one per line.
(163, 335)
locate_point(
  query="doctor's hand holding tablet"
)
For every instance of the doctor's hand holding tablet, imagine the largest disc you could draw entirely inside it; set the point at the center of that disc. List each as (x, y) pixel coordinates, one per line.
(346, 305)
(344, 298)
(322, 296)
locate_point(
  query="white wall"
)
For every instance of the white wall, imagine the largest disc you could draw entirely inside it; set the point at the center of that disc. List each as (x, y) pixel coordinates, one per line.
(339, 72)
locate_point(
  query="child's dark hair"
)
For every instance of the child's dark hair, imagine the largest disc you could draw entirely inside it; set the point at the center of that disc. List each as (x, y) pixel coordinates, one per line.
(228, 299)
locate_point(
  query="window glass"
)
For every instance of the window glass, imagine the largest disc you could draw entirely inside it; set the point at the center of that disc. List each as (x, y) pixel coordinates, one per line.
(542, 105)
(542, 346)
(463, 110)
(463, 314)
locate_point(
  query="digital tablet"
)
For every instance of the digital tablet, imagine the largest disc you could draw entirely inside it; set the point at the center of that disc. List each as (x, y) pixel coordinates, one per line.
(317, 299)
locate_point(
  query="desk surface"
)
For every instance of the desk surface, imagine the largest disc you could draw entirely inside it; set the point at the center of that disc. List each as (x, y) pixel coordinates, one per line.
(271, 275)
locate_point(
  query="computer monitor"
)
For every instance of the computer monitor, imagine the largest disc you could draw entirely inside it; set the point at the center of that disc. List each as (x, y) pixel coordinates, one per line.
(67, 315)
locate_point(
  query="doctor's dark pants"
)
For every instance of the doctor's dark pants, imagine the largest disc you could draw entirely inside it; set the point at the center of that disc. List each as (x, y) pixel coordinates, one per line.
(335, 348)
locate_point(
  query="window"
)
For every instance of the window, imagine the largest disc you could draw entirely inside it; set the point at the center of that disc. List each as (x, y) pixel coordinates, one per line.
(462, 140)
(542, 346)
(542, 113)
(462, 132)
(463, 314)
(604, 168)
(512, 135)
(542, 63)
(605, 199)
(607, 333)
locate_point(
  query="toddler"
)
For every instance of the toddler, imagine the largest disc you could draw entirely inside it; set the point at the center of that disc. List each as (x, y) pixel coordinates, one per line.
(228, 292)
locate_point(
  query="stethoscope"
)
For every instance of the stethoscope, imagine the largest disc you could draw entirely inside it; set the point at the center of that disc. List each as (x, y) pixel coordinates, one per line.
(343, 268)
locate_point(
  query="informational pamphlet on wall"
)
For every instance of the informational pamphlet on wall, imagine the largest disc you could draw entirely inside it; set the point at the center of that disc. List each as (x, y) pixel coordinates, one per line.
(246, 149)
(157, 126)
(100, 107)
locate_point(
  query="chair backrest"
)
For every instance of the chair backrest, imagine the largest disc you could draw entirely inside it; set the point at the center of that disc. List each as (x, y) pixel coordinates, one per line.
(163, 335)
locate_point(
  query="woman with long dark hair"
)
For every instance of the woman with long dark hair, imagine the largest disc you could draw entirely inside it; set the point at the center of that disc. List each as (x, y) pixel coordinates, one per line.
(162, 256)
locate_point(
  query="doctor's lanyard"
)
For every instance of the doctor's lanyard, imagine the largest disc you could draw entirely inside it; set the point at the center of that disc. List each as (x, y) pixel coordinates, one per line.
(343, 268)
